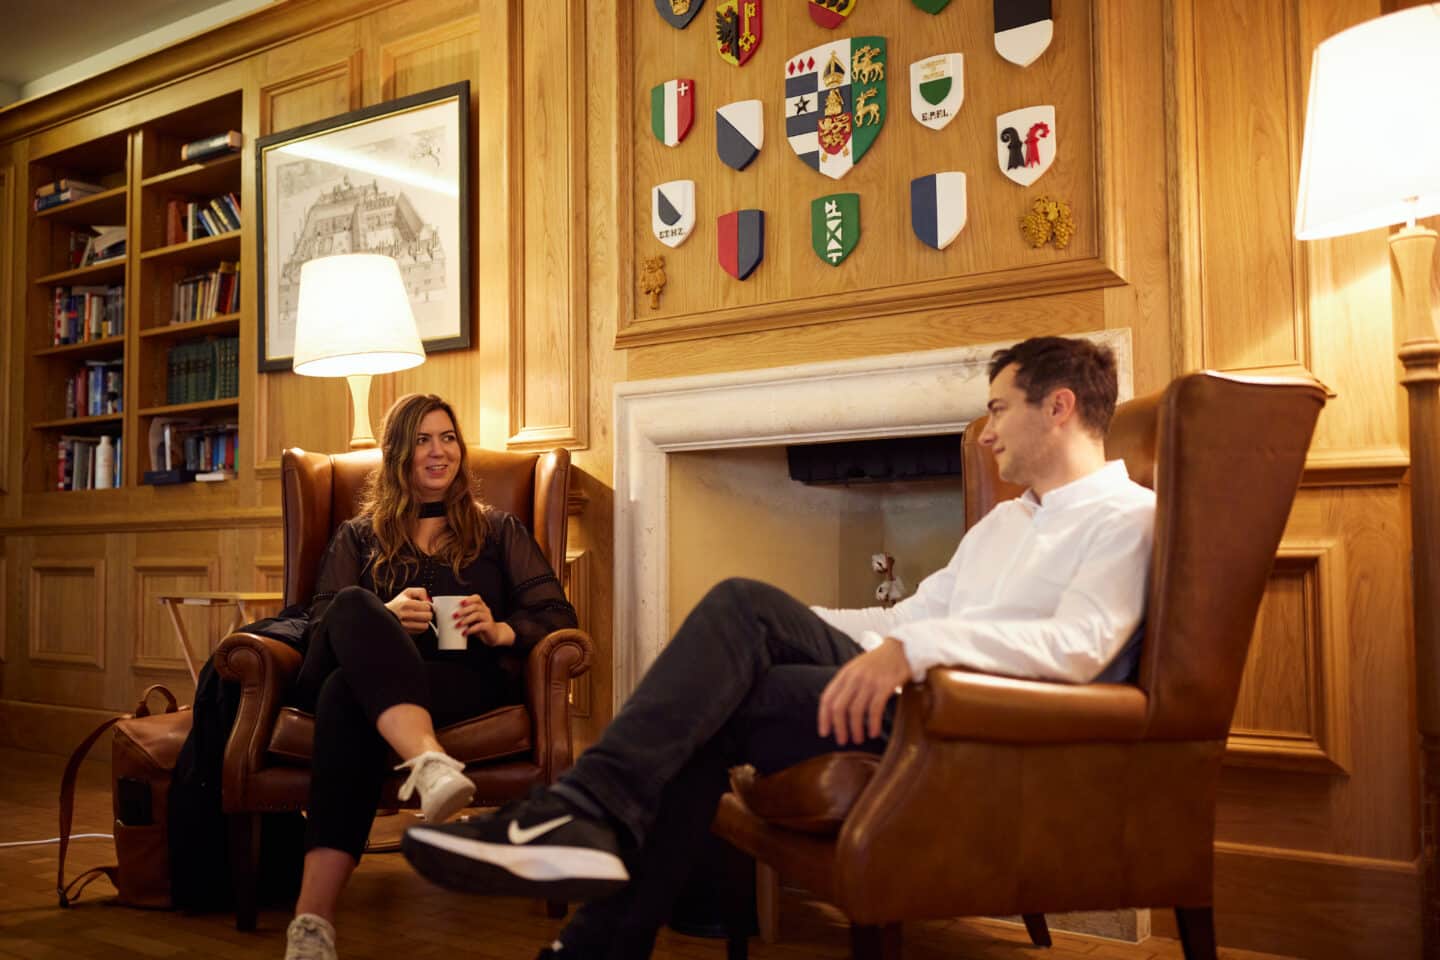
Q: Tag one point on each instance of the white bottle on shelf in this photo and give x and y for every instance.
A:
(105, 464)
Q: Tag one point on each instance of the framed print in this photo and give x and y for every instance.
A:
(390, 179)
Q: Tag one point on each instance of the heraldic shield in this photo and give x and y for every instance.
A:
(1025, 143)
(937, 89)
(830, 13)
(739, 132)
(930, 6)
(741, 236)
(835, 103)
(737, 30)
(835, 226)
(938, 208)
(672, 110)
(672, 211)
(678, 13)
(1023, 29)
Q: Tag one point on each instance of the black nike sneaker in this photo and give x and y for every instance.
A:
(540, 847)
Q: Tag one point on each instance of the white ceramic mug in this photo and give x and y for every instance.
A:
(446, 629)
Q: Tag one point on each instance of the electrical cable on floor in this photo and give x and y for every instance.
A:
(73, 836)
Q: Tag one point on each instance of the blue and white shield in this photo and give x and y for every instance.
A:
(938, 208)
(739, 132)
(672, 211)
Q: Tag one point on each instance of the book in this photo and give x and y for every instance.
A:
(160, 478)
(60, 198)
(211, 476)
(207, 147)
(107, 244)
(67, 183)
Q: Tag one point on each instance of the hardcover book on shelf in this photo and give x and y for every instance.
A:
(107, 244)
(67, 183)
(62, 197)
(213, 146)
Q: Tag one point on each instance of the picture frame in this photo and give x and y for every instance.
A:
(391, 178)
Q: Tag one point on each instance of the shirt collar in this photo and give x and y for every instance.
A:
(1092, 486)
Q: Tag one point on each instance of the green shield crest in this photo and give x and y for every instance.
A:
(835, 226)
(931, 6)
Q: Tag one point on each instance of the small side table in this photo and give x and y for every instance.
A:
(239, 601)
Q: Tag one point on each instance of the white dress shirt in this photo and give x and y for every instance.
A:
(1050, 590)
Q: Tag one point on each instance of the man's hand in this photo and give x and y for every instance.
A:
(411, 607)
(475, 620)
(853, 703)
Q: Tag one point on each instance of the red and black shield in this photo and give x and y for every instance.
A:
(741, 241)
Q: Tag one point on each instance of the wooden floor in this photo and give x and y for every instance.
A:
(390, 912)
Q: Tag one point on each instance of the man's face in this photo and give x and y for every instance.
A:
(1018, 432)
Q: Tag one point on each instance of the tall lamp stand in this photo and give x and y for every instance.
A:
(1412, 249)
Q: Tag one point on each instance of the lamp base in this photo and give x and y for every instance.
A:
(361, 435)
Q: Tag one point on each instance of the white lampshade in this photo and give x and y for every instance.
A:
(1372, 126)
(354, 318)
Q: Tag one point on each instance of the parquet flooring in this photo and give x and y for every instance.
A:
(389, 912)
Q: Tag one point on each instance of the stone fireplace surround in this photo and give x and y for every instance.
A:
(894, 395)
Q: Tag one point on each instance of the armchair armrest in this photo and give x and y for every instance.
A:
(264, 668)
(548, 669)
(979, 707)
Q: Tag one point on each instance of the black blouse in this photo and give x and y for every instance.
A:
(511, 575)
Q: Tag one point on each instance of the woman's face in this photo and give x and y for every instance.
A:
(437, 456)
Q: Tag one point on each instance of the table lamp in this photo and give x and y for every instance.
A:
(1372, 159)
(354, 321)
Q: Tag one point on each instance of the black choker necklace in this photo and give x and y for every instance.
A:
(435, 508)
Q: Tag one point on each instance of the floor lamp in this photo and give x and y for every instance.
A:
(1372, 159)
(354, 321)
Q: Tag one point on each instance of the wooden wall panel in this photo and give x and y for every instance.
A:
(9, 230)
(1246, 77)
(1294, 706)
(294, 411)
(890, 270)
(156, 646)
(66, 603)
(4, 607)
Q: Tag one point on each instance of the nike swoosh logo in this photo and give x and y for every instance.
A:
(520, 837)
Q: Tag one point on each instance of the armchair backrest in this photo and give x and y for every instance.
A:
(1224, 455)
(321, 491)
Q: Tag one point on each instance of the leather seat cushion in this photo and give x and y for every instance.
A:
(813, 796)
(490, 736)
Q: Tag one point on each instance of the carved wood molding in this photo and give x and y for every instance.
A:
(1323, 663)
(151, 615)
(576, 582)
(138, 521)
(9, 325)
(269, 26)
(570, 351)
(39, 571)
(1374, 467)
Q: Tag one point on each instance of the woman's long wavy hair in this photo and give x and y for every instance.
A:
(393, 507)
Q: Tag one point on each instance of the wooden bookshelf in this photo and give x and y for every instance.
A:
(140, 171)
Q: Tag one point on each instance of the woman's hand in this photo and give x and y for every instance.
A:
(412, 608)
(475, 620)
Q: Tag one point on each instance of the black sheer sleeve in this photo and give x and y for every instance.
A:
(344, 562)
(537, 604)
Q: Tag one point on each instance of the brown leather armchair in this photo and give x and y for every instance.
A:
(1001, 796)
(506, 751)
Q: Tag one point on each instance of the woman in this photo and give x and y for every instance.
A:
(373, 674)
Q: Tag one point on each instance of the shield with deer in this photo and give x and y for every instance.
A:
(835, 103)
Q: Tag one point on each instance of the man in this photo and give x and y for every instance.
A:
(1050, 586)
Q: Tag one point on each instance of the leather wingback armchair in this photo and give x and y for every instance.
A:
(506, 751)
(1001, 796)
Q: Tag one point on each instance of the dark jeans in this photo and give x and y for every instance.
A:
(739, 683)
(359, 663)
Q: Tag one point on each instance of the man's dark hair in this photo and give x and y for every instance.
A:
(1043, 364)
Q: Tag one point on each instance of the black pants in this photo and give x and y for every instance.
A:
(359, 663)
(739, 683)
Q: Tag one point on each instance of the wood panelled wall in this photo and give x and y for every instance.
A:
(1199, 107)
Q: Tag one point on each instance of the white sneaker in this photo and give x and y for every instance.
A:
(310, 938)
(444, 789)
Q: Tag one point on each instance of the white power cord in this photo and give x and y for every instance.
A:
(73, 836)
